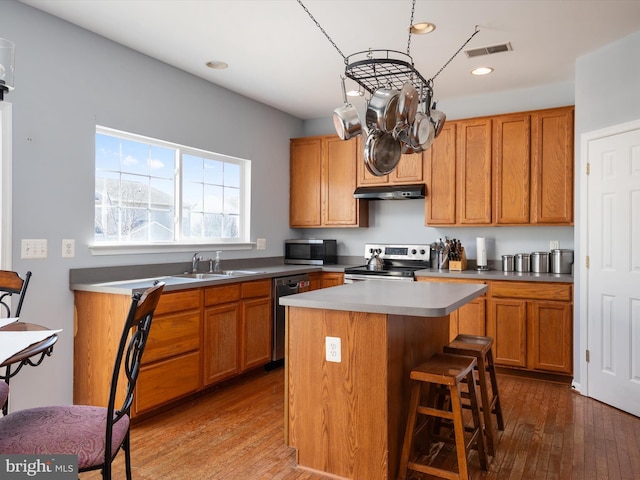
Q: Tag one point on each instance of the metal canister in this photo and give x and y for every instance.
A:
(523, 262)
(561, 260)
(507, 263)
(540, 262)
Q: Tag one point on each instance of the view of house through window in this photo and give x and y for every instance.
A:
(149, 191)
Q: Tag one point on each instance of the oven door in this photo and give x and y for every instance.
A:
(354, 277)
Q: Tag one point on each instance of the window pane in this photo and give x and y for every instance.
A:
(138, 200)
(191, 168)
(231, 175)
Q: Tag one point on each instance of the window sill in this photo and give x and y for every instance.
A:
(164, 248)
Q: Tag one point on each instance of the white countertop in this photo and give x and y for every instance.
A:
(421, 299)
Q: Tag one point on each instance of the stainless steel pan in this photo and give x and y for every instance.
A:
(345, 119)
(382, 153)
(382, 108)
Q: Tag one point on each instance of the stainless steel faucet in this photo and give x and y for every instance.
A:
(194, 262)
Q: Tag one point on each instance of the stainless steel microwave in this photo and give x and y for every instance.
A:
(310, 252)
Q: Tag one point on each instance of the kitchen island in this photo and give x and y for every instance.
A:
(350, 350)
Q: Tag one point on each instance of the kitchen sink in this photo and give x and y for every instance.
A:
(223, 274)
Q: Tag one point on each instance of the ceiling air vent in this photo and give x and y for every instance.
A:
(477, 52)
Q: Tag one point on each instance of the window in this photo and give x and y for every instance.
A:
(149, 192)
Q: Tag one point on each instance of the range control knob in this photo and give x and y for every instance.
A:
(414, 251)
(422, 252)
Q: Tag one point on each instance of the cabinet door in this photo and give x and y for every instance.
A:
(220, 349)
(305, 181)
(440, 177)
(511, 168)
(552, 167)
(330, 279)
(550, 337)
(473, 157)
(409, 170)
(471, 317)
(508, 326)
(256, 333)
(339, 182)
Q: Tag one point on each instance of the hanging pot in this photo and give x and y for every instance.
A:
(408, 101)
(345, 119)
(382, 153)
(437, 118)
(381, 112)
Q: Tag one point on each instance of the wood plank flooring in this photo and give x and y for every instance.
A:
(236, 433)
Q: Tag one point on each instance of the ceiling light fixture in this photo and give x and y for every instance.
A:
(7, 57)
(217, 65)
(481, 71)
(422, 28)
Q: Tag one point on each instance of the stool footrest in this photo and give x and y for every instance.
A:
(434, 412)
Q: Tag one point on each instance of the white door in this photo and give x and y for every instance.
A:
(613, 276)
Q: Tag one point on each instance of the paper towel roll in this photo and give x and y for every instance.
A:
(481, 246)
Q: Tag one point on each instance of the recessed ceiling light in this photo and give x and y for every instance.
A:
(422, 28)
(481, 71)
(218, 65)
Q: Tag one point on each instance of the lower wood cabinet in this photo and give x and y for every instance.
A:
(319, 280)
(470, 318)
(531, 323)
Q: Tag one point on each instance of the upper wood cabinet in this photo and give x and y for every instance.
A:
(552, 166)
(323, 176)
(514, 169)
(473, 172)
(410, 170)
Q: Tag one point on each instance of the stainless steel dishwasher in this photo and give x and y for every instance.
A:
(283, 286)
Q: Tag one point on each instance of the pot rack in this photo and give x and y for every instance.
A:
(374, 69)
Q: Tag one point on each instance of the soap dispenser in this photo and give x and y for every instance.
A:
(217, 268)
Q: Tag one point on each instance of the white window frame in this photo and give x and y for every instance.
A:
(179, 244)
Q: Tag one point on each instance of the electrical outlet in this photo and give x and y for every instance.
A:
(333, 348)
(261, 244)
(554, 244)
(33, 248)
(68, 248)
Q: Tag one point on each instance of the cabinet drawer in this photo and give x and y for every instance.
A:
(222, 294)
(172, 335)
(176, 301)
(163, 382)
(533, 290)
(257, 288)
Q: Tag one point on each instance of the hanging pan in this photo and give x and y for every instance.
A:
(345, 119)
(381, 112)
(381, 153)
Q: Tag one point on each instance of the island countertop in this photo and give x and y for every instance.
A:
(421, 299)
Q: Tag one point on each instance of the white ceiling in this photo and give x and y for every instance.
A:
(278, 56)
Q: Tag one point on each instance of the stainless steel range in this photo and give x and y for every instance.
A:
(390, 262)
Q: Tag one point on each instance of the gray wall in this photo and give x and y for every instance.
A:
(68, 80)
(607, 83)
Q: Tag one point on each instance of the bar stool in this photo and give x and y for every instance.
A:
(449, 372)
(480, 348)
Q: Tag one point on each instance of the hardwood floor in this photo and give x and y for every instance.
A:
(236, 433)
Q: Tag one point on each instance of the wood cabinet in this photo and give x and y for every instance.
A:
(469, 319)
(531, 323)
(171, 363)
(514, 169)
(199, 337)
(319, 280)
(221, 333)
(323, 176)
(410, 170)
(237, 329)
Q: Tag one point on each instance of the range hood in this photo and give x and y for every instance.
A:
(390, 192)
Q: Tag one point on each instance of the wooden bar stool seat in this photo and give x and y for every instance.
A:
(448, 372)
(480, 348)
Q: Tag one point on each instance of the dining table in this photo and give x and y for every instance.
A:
(23, 343)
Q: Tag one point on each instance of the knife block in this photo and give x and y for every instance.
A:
(459, 265)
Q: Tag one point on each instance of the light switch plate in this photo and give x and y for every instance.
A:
(33, 248)
(261, 244)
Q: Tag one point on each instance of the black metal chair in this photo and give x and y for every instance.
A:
(11, 284)
(94, 434)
